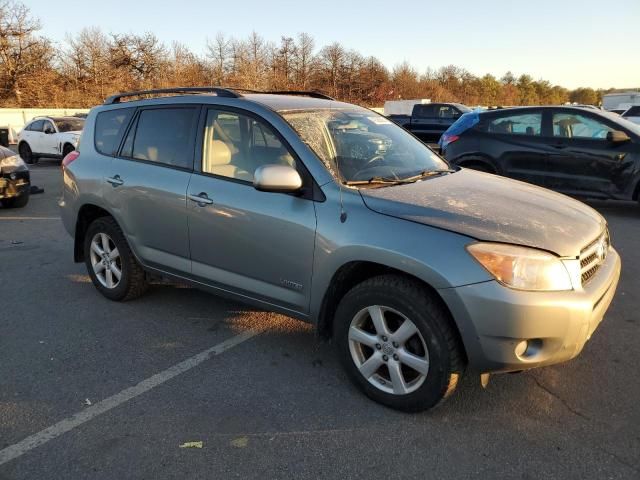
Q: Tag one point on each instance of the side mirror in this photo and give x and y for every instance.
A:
(277, 178)
(617, 136)
(49, 131)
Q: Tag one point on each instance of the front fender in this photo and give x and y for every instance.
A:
(435, 256)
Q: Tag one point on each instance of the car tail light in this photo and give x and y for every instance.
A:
(71, 156)
(450, 138)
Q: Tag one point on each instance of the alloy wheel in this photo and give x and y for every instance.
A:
(105, 260)
(388, 350)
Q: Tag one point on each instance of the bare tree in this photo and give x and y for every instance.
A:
(22, 52)
(304, 60)
(218, 52)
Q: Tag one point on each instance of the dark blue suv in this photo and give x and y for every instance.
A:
(577, 151)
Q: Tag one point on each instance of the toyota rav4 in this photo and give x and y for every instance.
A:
(418, 271)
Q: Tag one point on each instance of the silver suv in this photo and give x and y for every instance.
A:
(332, 214)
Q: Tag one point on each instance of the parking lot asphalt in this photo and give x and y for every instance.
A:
(100, 379)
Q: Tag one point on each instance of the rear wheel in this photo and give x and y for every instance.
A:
(111, 265)
(26, 154)
(397, 344)
(16, 202)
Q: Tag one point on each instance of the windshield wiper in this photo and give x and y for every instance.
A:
(398, 181)
(375, 181)
(425, 174)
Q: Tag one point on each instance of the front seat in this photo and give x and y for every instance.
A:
(217, 161)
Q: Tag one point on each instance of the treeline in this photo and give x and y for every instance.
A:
(91, 64)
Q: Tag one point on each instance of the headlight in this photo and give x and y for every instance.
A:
(522, 268)
(14, 161)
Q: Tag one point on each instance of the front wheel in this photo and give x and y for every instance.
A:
(397, 343)
(113, 268)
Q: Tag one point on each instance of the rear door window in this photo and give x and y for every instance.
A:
(521, 124)
(110, 127)
(575, 125)
(164, 136)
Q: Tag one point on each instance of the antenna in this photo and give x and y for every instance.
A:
(343, 214)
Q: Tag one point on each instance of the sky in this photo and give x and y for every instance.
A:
(573, 43)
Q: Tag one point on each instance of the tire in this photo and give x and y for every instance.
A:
(24, 150)
(16, 202)
(66, 150)
(434, 340)
(132, 282)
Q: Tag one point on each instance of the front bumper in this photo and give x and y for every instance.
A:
(494, 320)
(14, 184)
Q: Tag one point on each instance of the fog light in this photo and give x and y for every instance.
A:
(13, 176)
(521, 348)
(528, 349)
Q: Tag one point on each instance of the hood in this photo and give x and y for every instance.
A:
(492, 208)
(76, 133)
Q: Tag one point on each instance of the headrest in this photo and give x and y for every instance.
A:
(220, 153)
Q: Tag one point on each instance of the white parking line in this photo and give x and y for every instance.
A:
(54, 431)
(29, 218)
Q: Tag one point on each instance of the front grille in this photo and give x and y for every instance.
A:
(593, 256)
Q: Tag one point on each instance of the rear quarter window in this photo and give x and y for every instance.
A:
(110, 127)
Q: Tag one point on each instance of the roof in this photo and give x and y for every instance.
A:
(276, 100)
(290, 102)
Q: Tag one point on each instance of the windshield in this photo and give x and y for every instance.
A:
(69, 124)
(358, 145)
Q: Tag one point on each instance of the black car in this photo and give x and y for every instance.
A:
(577, 151)
(428, 121)
(15, 183)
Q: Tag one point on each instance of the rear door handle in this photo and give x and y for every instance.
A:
(115, 181)
(201, 199)
(559, 146)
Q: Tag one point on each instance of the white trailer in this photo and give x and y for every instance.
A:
(402, 107)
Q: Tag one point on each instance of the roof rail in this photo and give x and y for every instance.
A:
(300, 93)
(221, 92)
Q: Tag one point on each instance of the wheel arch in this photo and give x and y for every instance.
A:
(354, 272)
(86, 215)
(65, 144)
(468, 160)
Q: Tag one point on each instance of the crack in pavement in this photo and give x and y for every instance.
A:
(619, 459)
(559, 398)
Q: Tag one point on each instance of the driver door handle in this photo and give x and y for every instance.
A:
(115, 181)
(201, 199)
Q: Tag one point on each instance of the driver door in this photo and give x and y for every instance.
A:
(257, 245)
(582, 160)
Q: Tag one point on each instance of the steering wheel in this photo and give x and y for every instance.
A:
(368, 165)
(370, 172)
